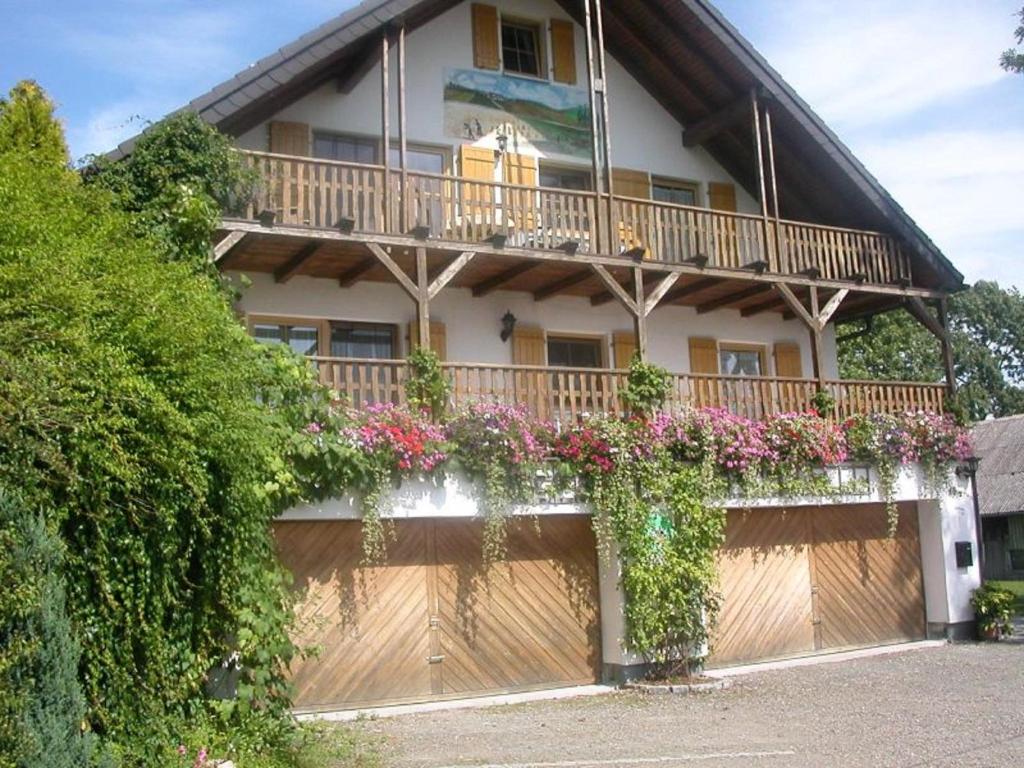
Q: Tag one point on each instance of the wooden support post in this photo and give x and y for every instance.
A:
(780, 251)
(606, 135)
(640, 315)
(947, 348)
(403, 192)
(595, 157)
(423, 302)
(755, 107)
(385, 124)
(817, 348)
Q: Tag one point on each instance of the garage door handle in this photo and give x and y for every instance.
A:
(435, 659)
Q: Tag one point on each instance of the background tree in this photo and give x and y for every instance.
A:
(987, 328)
(1012, 60)
(27, 125)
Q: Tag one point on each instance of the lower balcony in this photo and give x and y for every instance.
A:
(565, 394)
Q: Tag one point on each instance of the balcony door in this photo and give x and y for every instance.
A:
(576, 391)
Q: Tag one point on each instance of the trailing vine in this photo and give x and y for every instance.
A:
(646, 387)
(427, 388)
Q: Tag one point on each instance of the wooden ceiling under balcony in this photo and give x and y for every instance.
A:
(349, 263)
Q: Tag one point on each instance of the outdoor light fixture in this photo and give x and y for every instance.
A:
(502, 143)
(968, 467)
(508, 324)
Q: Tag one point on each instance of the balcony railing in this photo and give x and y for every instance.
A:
(321, 193)
(565, 394)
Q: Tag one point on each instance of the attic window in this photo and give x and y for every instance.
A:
(520, 47)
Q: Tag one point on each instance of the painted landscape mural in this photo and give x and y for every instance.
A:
(553, 119)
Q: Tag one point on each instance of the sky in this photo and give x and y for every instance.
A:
(912, 87)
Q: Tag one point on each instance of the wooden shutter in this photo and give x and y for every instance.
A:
(722, 197)
(563, 51)
(438, 337)
(787, 360)
(485, 36)
(623, 347)
(703, 355)
(528, 345)
(521, 169)
(289, 138)
(476, 163)
(630, 183)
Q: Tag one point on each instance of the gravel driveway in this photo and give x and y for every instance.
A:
(959, 705)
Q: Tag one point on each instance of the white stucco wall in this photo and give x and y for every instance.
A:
(472, 323)
(643, 135)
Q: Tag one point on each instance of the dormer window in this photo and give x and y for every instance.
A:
(520, 48)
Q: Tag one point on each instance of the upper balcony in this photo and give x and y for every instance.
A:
(328, 195)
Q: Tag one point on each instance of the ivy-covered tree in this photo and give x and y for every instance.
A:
(176, 182)
(27, 125)
(987, 328)
(1012, 59)
(136, 410)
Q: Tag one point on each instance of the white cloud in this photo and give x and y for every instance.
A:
(111, 124)
(869, 62)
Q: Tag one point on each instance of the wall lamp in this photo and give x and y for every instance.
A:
(502, 143)
(508, 324)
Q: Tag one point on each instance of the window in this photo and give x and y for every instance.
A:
(420, 159)
(671, 191)
(564, 178)
(349, 149)
(574, 352)
(520, 48)
(366, 340)
(737, 360)
(302, 338)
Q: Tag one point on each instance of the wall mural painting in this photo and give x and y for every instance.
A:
(551, 119)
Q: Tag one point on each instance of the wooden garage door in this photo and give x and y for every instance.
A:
(431, 622)
(816, 579)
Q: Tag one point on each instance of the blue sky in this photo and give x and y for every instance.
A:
(913, 87)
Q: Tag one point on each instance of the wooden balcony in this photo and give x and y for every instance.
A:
(323, 194)
(565, 394)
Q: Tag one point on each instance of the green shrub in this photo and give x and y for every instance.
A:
(42, 708)
(646, 387)
(993, 605)
(427, 388)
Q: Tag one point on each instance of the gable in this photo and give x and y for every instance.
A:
(683, 52)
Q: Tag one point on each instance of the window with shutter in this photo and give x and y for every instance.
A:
(289, 138)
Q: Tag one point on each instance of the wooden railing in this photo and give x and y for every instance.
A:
(566, 394)
(320, 193)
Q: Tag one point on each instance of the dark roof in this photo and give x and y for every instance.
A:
(999, 443)
(684, 52)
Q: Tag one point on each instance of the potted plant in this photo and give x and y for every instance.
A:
(993, 607)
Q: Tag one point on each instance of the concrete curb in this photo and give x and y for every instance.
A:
(678, 689)
(823, 658)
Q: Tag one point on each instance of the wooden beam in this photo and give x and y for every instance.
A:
(352, 275)
(704, 130)
(560, 285)
(227, 245)
(660, 290)
(817, 346)
(688, 290)
(831, 306)
(423, 298)
(640, 318)
(732, 298)
(765, 306)
(795, 305)
(617, 290)
(920, 312)
(493, 283)
(947, 348)
(394, 269)
(450, 272)
(290, 268)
